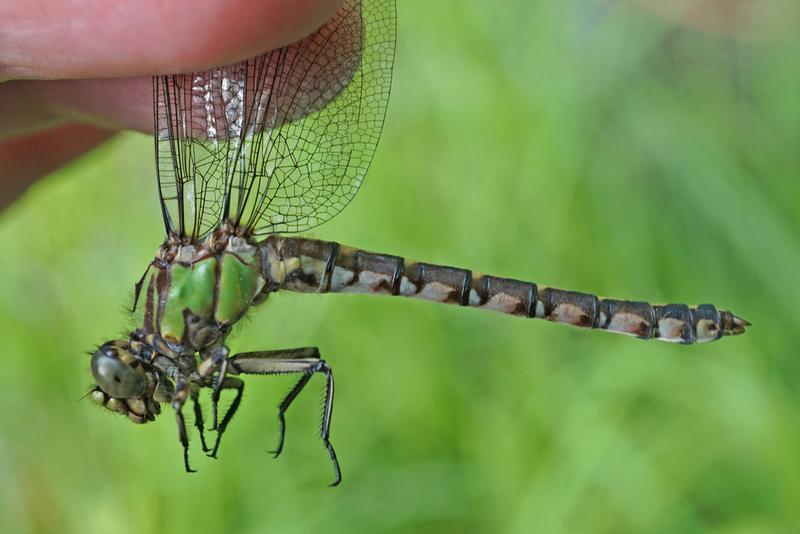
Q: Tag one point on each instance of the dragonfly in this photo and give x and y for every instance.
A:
(251, 154)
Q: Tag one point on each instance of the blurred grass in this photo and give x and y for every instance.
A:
(586, 145)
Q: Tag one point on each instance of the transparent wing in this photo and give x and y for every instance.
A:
(281, 142)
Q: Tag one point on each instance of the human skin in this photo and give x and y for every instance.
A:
(73, 72)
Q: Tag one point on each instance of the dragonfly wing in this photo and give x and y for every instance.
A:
(281, 142)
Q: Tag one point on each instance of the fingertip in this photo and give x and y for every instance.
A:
(115, 38)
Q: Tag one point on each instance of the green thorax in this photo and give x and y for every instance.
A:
(193, 292)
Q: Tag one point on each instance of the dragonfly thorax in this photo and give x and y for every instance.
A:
(193, 292)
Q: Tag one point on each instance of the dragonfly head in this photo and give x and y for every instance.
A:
(125, 384)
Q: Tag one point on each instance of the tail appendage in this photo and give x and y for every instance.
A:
(312, 266)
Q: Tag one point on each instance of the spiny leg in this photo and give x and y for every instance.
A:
(137, 289)
(305, 353)
(305, 360)
(218, 381)
(238, 385)
(198, 420)
(181, 392)
(285, 403)
(325, 430)
(219, 357)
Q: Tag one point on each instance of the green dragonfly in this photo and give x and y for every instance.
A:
(277, 145)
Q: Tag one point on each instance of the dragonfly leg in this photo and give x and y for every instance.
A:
(218, 358)
(137, 289)
(229, 383)
(181, 392)
(218, 381)
(306, 361)
(198, 420)
(285, 403)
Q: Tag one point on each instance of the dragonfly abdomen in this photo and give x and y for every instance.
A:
(312, 266)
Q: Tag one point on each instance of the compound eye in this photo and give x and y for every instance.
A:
(115, 377)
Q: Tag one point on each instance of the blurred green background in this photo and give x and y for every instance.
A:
(588, 145)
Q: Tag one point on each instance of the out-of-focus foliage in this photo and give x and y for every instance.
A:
(587, 145)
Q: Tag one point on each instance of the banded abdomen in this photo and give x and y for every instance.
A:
(312, 266)
(193, 292)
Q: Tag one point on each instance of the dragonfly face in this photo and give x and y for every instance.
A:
(125, 384)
